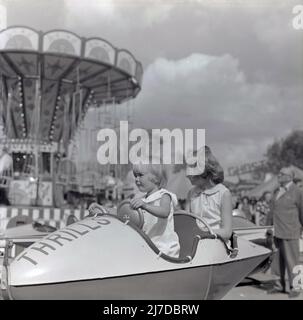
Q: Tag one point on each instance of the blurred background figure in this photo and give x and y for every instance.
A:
(73, 199)
(253, 207)
(235, 201)
(262, 209)
(245, 207)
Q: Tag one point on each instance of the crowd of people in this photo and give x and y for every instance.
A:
(256, 209)
(253, 209)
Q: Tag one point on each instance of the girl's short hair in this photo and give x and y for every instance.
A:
(157, 170)
(213, 169)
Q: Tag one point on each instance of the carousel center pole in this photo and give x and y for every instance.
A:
(36, 140)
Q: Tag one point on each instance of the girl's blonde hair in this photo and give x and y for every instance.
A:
(157, 170)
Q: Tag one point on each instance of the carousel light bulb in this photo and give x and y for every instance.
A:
(133, 80)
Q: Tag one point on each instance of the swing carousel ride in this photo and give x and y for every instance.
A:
(48, 82)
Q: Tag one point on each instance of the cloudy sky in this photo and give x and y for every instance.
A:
(232, 67)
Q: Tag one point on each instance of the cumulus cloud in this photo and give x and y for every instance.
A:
(212, 92)
(105, 10)
(117, 13)
(158, 12)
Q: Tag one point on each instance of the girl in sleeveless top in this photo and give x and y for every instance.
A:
(209, 198)
(157, 207)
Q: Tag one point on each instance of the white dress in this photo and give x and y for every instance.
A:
(161, 230)
(208, 205)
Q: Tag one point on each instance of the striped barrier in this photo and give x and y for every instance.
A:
(54, 217)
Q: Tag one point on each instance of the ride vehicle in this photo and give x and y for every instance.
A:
(108, 256)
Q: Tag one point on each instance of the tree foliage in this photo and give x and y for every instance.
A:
(285, 152)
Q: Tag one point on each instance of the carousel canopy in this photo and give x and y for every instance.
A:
(49, 80)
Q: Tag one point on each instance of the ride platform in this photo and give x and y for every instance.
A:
(55, 217)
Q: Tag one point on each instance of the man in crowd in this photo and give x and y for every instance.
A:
(287, 217)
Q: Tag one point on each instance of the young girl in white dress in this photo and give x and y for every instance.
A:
(209, 198)
(157, 207)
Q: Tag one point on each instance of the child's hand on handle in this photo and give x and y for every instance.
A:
(137, 203)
